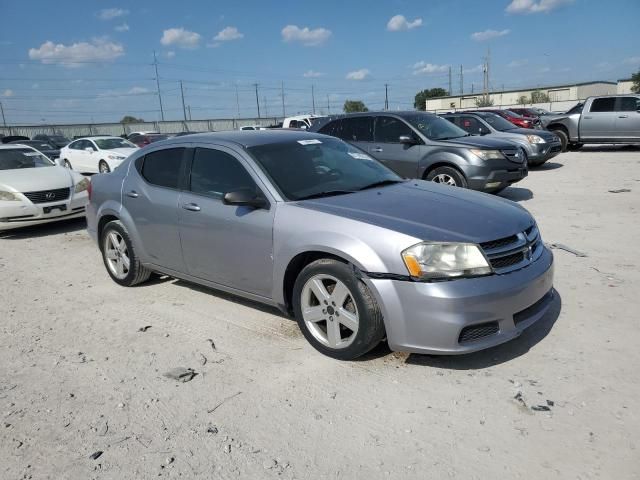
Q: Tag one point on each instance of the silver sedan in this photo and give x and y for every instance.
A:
(318, 228)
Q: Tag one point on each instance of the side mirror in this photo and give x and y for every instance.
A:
(244, 198)
(407, 140)
(88, 149)
(484, 131)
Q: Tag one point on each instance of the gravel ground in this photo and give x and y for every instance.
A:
(79, 377)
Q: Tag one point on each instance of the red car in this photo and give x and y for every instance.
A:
(519, 120)
(142, 140)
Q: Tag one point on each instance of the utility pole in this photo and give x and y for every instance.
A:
(471, 87)
(237, 101)
(282, 94)
(184, 110)
(449, 92)
(155, 64)
(461, 81)
(257, 99)
(328, 105)
(264, 102)
(386, 96)
(4, 120)
(313, 99)
(189, 110)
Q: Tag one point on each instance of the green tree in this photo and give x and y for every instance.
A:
(538, 96)
(422, 96)
(523, 100)
(352, 106)
(635, 86)
(484, 101)
(130, 119)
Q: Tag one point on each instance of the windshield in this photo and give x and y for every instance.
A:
(497, 122)
(111, 143)
(59, 139)
(434, 127)
(577, 108)
(319, 167)
(15, 158)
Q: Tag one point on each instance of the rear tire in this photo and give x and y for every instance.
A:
(447, 176)
(336, 311)
(564, 138)
(119, 256)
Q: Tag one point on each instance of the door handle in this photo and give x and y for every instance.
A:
(376, 149)
(623, 116)
(192, 207)
(132, 194)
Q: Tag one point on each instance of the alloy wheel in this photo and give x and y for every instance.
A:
(329, 311)
(117, 255)
(446, 179)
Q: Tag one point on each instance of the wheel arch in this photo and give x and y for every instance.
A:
(442, 163)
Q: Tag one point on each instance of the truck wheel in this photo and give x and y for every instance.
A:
(573, 147)
(564, 138)
(447, 176)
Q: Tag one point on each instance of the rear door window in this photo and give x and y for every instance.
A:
(162, 168)
(390, 129)
(606, 104)
(357, 129)
(628, 104)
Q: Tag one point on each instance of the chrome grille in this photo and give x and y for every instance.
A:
(515, 252)
(514, 155)
(46, 196)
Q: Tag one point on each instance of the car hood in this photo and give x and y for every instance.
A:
(35, 179)
(429, 211)
(125, 151)
(480, 142)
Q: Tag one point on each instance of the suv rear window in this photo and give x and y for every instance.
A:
(162, 168)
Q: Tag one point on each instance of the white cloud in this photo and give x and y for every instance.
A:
(517, 63)
(423, 67)
(180, 38)
(75, 54)
(535, 6)
(122, 28)
(137, 90)
(170, 54)
(7, 93)
(632, 61)
(476, 69)
(358, 74)
(398, 23)
(488, 35)
(111, 13)
(227, 34)
(312, 74)
(308, 37)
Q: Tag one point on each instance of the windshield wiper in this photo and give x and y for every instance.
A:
(326, 193)
(381, 183)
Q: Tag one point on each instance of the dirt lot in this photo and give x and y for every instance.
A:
(77, 376)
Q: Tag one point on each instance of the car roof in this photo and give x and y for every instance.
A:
(8, 146)
(245, 138)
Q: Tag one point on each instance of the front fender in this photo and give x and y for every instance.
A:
(441, 156)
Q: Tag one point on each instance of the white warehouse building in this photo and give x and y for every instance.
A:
(562, 97)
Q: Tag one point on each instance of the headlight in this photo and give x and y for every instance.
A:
(535, 139)
(488, 154)
(433, 261)
(116, 157)
(8, 197)
(82, 185)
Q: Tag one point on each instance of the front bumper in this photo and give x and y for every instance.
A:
(541, 152)
(431, 317)
(24, 213)
(492, 177)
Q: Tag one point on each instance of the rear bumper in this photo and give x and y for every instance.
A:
(450, 317)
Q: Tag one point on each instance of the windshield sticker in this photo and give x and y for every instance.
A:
(313, 141)
(360, 156)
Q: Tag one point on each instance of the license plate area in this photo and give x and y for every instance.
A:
(62, 207)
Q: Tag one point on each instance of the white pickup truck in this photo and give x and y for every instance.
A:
(606, 119)
(300, 121)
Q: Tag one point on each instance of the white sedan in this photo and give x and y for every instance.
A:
(35, 190)
(96, 154)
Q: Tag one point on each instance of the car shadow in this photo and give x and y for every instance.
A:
(547, 166)
(516, 194)
(499, 354)
(616, 147)
(45, 230)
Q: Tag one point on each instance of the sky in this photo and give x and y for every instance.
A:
(93, 61)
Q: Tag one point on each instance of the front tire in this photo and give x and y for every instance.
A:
(447, 176)
(103, 167)
(336, 311)
(564, 139)
(119, 257)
